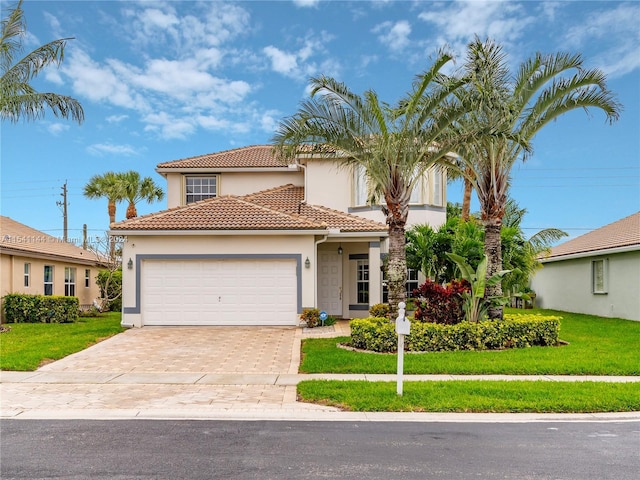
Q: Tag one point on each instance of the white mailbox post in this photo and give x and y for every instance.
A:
(403, 327)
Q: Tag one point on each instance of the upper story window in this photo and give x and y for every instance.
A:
(48, 279)
(437, 187)
(200, 188)
(361, 187)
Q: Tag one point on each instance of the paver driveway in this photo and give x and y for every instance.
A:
(225, 350)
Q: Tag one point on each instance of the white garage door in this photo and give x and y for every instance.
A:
(219, 292)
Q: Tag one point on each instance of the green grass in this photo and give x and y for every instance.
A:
(597, 346)
(474, 396)
(29, 345)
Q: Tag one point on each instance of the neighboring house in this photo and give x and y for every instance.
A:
(249, 240)
(36, 263)
(597, 273)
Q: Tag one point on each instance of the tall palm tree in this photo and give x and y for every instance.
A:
(394, 144)
(136, 189)
(109, 186)
(505, 112)
(18, 99)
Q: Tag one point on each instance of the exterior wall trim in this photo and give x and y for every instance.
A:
(591, 253)
(215, 256)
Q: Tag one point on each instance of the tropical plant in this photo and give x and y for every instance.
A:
(394, 145)
(18, 99)
(109, 186)
(504, 113)
(136, 189)
(476, 302)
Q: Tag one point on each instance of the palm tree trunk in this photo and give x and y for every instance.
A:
(397, 268)
(131, 211)
(493, 250)
(466, 200)
(112, 218)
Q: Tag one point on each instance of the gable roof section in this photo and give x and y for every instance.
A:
(624, 233)
(275, 209)
(222, 213)
(19, 239)
(289, 198)
(255, 156)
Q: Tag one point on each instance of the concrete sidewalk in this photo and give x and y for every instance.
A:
(229, 384)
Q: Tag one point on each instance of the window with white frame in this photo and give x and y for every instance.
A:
(362, 283)
(87, 278)
(27, 274)
(599, 276)
(48, 279)
(411, 284)
(200, 188)
(437, 187)
(361, 188)
(69, 282)
(416, 192)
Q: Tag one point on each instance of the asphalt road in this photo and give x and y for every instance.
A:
(150, 449)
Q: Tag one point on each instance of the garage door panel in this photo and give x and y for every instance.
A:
(219, 292)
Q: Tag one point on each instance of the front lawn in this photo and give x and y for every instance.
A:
(474, 396)
(29, 345)
(596, 346)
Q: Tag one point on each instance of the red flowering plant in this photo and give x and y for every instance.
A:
(440, 304)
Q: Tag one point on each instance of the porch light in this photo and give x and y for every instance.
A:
(340, 250)
(130, 264)
(307, 263)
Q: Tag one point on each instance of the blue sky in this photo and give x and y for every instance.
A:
(161, 81)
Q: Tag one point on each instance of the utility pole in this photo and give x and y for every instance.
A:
(63, 204)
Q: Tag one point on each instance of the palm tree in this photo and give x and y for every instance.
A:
(18, 99)
(109, 186)
(137, 189)
(393, 144)
(504, 114)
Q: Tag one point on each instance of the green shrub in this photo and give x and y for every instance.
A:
(516, 331)
(20, 308)
(110, 283)
(380, 310)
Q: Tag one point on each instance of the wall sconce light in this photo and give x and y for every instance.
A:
(307, 263)
(340, 250)
(130, 264)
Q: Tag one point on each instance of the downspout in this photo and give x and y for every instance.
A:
(315, 263)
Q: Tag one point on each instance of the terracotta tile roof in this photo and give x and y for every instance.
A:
(623, 233)
(17, 238)
(254, 156)
(222, 213)
(275, 209)
(288, 198)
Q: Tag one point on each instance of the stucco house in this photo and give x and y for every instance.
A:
(249, 240)
(597, 273)
(35, 263)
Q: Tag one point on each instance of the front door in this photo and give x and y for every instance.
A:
(330, 282)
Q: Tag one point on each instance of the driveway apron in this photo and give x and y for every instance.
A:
(183, 370)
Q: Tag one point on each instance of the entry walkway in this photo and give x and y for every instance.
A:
(248, 374)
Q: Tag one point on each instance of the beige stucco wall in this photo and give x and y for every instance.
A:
(567, 285)
(12, 277)
(219, 245)
(235, 183)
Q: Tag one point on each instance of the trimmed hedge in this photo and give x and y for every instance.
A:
(515, 331)
(20, 308)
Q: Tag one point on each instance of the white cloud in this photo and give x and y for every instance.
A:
(394, 35)
(57, 128)
(306, 3)
(100, 149)
(281, 62)
(116, 118)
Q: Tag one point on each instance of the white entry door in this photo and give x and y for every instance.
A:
(219, 292)
(330, 282)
